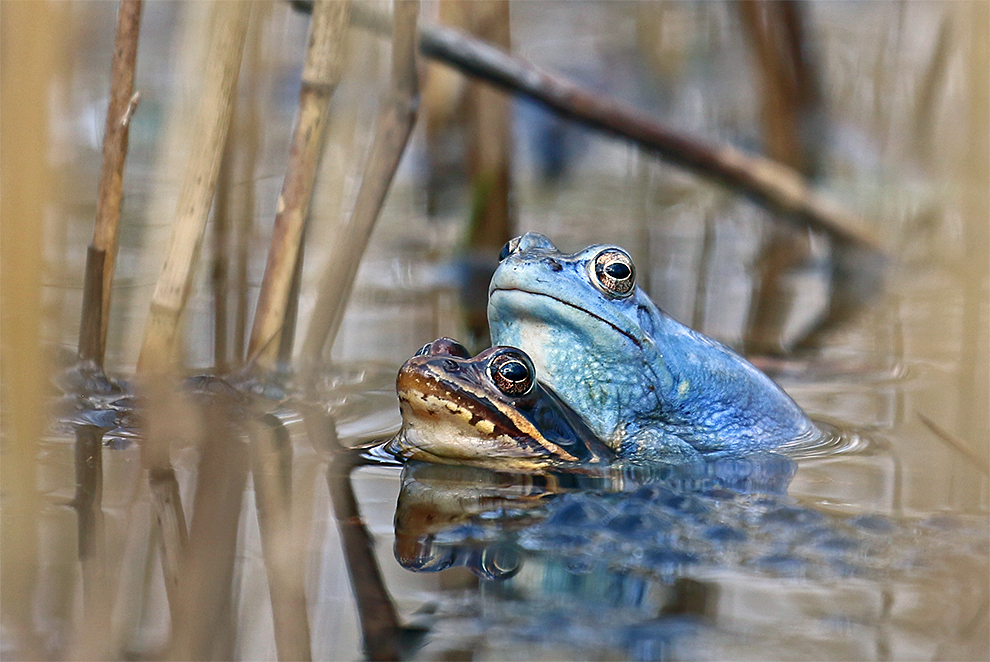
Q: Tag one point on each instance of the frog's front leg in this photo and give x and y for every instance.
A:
(656, 446)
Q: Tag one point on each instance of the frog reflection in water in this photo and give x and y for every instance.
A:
(487, 411)
(650, 387)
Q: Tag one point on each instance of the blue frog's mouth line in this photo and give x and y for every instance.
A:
(636, 341)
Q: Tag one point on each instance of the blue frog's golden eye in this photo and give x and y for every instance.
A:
(614, 273)
(508, 249)
(512, 372)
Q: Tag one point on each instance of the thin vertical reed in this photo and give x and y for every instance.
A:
(395, 123)
(789, 101)
(490, 131)
(321, 73)
(30, 38)
(249, 135)
(123, 100)
(230, 21)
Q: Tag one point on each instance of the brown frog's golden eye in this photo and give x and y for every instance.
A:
(614, 273)
(512, 372)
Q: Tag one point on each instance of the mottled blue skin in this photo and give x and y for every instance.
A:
(650, 387)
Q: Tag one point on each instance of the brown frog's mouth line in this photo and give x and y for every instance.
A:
(634, 340)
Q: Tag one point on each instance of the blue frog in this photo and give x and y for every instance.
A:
(651, 388)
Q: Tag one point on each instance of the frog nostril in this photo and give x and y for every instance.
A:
(553, 264)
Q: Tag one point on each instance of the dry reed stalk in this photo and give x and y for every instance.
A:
(219, 278)
(204, 594)
(92, 307)
(30, 38)
(321, 73)
(93, 638)
(122, 103)
(248, 132)
(288, 332)
(394, 124)
(230, 21)
(767, 182)
(271, 468)
(155, 363)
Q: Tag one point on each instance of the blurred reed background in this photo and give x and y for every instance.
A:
(882, 106)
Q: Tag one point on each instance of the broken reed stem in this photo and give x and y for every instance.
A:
(321, 73)
(271, 468)
(93, 293)
(395, 123)
(98, 279)
(767, 182)
(123, 101)
(230, 21)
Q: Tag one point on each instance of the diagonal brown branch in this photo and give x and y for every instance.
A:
(769, 183)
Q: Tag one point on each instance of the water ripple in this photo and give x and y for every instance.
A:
(831, 441)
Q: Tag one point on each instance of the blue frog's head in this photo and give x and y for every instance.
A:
(636, 375)
(583, 320)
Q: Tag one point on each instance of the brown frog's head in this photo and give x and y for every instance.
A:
(488, 411)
